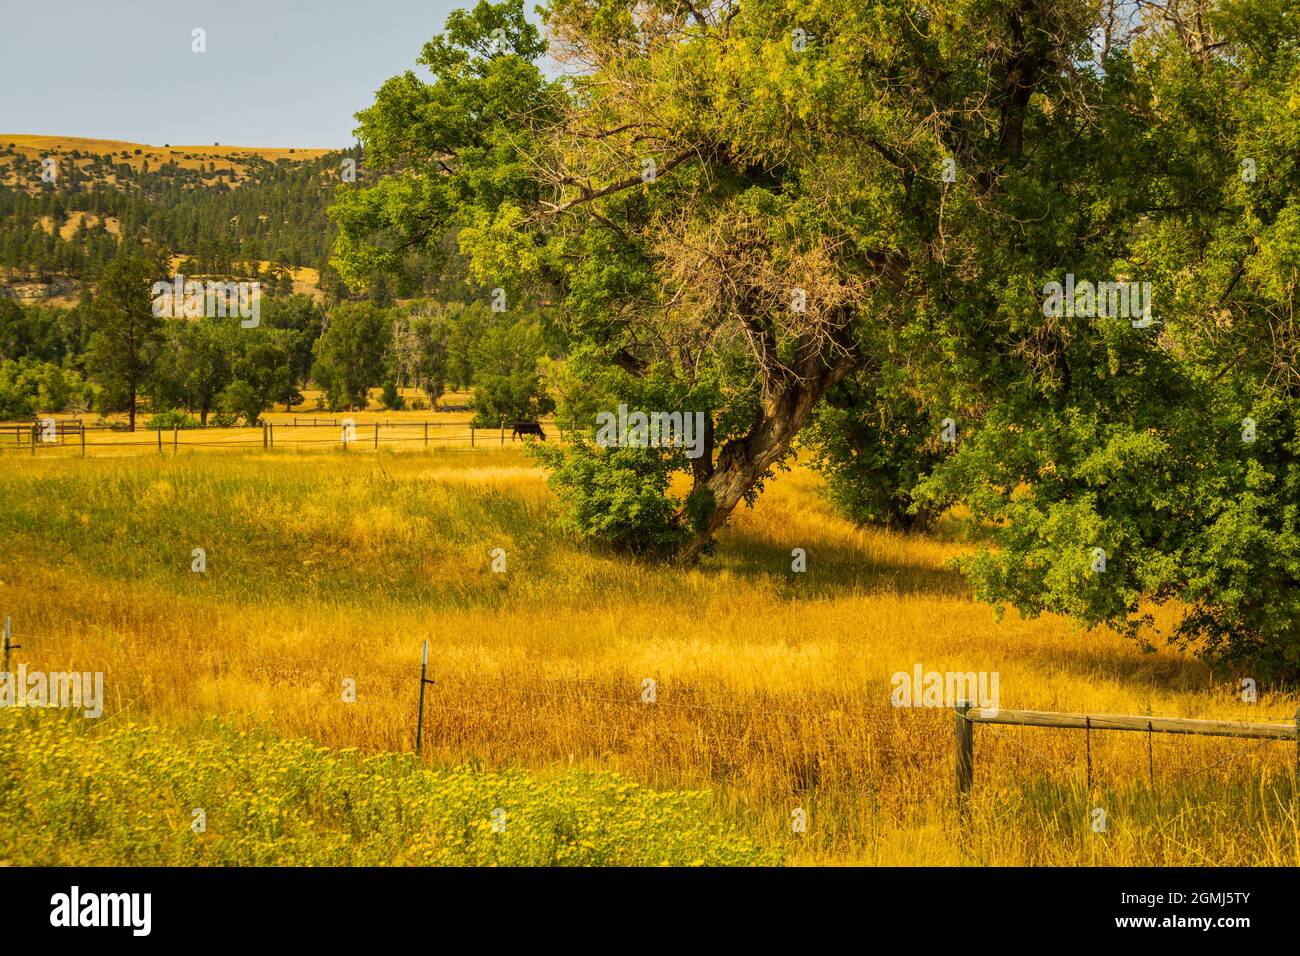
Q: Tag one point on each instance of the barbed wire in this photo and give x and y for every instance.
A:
(1255, 747)
(531, 688)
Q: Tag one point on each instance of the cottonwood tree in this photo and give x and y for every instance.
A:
(727, 210)
(1173, 447)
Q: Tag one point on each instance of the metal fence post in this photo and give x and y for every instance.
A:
(7, 645)
(419, 723)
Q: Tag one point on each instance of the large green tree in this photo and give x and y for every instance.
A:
(751, 209)
(1122, 468)
(736, 207)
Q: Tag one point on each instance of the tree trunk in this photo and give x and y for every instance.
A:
(743, 461)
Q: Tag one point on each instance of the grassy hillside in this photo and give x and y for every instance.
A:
(240, 159)
(772, 687)
(224, 210)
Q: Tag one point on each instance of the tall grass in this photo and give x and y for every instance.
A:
(772, 687)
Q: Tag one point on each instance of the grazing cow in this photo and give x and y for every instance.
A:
(523, 428)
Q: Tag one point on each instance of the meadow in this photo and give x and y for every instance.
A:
(328, 570)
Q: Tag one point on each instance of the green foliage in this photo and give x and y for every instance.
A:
(507, 375)
(28, 387)
(390, 397)
(350, 354)
(239, 400)
(420, 351)
(172, 419)
(125, 797)
(618, 496)
(223, 419)
(1183, 508)
(296, 322)
(261, 375)
(873, 451)
(1130, 440)
(277, 213)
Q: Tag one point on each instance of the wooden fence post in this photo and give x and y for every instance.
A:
(160, 451)
(471, 435)
(965, 748)
(175, 440)
(376, 436)
(426, 434)
(83, 439)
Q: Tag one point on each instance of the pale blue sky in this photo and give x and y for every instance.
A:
(276, 72)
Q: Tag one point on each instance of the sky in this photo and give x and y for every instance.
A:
(277, 73)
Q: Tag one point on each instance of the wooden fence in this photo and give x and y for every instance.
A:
(968, 716)
(318, 433)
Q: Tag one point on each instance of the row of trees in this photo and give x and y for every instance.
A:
(113, 354)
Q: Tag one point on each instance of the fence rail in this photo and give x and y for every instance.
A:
(30, 438)
(966, 717)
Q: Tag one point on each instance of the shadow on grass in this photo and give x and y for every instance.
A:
(833, 570)
(1161, 670)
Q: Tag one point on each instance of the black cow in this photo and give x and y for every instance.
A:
(523, 428)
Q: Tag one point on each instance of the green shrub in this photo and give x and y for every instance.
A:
(171, 419)
(222, 420)
(617, 495)
(391, 397)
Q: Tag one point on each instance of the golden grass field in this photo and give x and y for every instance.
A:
(772, 687)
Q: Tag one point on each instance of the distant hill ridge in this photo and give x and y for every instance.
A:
(224, 206)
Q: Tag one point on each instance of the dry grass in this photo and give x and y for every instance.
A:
(188, 157)
(773, 687)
